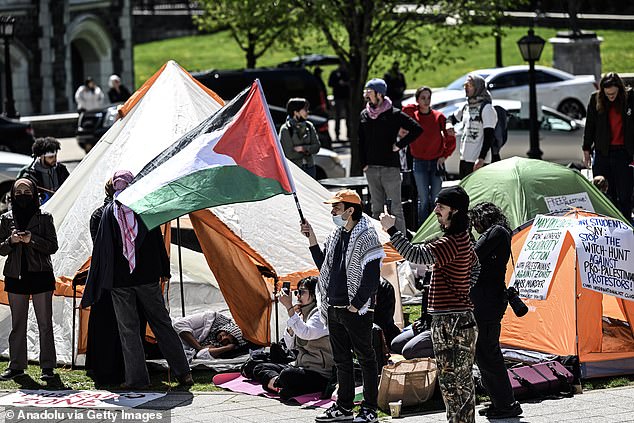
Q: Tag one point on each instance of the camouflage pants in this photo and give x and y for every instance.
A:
(454, 337)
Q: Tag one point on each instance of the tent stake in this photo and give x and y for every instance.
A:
(180, 264)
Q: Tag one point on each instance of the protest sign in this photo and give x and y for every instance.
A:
(77, 399)
(579, 200)
(604, 247)
(536, 263)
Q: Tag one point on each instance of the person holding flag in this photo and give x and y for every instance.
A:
(348, 281)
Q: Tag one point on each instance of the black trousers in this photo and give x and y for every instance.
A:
(291, 380)
(352, 332)
(491, 364)
(615, 167)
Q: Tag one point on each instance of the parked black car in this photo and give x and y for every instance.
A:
(279, 84)
(92, 124)
(16, 136)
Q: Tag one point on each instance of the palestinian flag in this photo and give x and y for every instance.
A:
(234, 156)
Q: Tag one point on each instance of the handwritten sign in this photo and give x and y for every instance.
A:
(604, 256)
(565, 202)
(536, 263)
(77, 399)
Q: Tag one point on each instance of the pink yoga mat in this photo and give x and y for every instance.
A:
(235, 382)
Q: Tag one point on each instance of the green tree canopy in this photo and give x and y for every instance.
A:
(254, 24)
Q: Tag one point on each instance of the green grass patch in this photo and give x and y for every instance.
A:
(607, 382)
(220, 51)
(77, 379)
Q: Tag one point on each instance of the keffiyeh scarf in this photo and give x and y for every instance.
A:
(363, 247)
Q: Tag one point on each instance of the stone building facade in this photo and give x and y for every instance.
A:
(58, 43)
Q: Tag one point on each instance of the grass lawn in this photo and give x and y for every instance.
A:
(220, 51)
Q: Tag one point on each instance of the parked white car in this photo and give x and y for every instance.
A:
(560, 137)
(556, 89)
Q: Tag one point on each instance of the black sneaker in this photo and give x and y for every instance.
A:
(512, 410)
(366, 415)
(484, 411)
(47, 374)
(335, 414)
(9, 374)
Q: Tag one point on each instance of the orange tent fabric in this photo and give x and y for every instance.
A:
(570, 321)
(239, 271)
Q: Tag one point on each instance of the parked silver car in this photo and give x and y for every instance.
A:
(560, 137)
(557, 89)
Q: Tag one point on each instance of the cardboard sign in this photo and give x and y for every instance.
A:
(565, 202)
(536, 263)
(604, 255)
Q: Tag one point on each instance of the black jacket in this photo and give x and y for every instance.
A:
(489, 293)
(30, 172)
(597, 132)
(377, 136)
(109, 268)
(43, 244)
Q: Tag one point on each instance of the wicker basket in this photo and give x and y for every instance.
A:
(411, 381)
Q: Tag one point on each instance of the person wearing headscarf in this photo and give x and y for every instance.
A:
(129, 261)
(478, 119)
(28, 240)
(210, 335)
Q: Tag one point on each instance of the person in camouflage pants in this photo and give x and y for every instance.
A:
(455, 269)
(454, 337)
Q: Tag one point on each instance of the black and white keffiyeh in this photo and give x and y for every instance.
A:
(363, 247)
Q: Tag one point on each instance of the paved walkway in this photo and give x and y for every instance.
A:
(600, 406)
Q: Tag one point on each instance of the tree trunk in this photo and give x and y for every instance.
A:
(251, 57)
(358, 70)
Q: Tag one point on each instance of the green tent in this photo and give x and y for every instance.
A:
(521, 188)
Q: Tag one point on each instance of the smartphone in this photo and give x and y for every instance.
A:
(388, 205)
(286, 288)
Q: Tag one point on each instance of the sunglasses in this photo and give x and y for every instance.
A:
(300, 292)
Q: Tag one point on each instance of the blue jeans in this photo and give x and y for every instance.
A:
(428, 184)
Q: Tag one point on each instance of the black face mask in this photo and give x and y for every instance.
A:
(23, 201)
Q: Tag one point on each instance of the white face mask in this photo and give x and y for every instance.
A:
(338, 220)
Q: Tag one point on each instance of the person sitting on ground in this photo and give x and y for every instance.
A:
(306, 333)
(209, 335)
(45, 171)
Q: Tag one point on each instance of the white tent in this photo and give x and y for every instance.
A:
(165, 108)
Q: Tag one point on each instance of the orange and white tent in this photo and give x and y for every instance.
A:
(243, 244)
(573, 320)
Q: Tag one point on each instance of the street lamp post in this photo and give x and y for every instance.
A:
(531, 47)
(6, 32)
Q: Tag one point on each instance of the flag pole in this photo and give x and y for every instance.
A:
(180, 264)
(299, 207)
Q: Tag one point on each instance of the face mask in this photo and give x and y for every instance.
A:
(23, 200)
(339, 221)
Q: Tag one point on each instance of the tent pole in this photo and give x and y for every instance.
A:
(180, 264)
(277, 318)
(72, 349)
